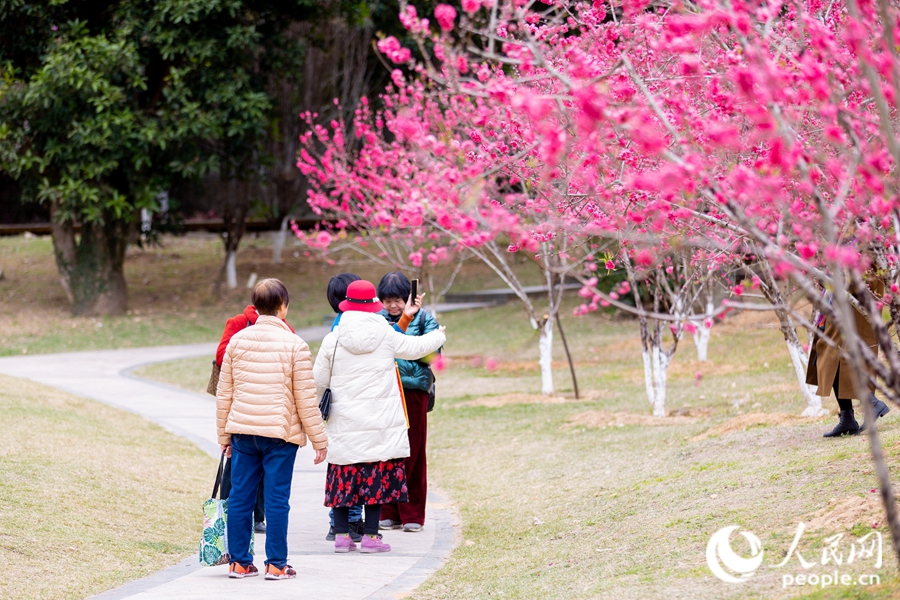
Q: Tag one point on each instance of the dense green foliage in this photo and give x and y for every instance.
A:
(103, 104)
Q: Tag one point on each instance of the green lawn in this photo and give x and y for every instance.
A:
(171, 295)
(91, 497)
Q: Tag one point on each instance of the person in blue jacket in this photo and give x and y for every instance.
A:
(416, 377)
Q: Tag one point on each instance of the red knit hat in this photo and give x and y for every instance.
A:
(361, 296)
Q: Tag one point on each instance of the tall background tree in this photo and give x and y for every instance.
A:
(106, 105)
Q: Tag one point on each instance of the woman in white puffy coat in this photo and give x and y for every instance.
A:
(367, 438)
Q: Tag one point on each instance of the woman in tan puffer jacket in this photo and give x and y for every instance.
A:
(266, 408)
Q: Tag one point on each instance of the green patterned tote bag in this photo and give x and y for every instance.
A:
(214, 543)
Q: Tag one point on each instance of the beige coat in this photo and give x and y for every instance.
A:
(825, 361)
(266, 387)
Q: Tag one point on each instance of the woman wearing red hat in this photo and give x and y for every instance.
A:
(367, 427)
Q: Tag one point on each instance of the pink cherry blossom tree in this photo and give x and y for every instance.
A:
(376, 213)
(415, 198)
(772, 123)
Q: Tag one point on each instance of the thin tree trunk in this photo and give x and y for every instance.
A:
(230, 271)
(656, 364)
(278, 243)
(545, 345)
(650, 347)
(800, 362)
(562, 336)
(799, 358)
(701, 341)
(660, 379)
(649, 384)
(702, 333)
(234, 218)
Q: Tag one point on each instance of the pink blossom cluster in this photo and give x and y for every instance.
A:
(740, 128)
(391, 48)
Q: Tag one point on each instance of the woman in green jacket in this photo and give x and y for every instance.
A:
(417, 379)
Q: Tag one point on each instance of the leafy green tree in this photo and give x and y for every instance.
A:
(104, 105)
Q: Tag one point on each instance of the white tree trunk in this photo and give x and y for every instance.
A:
(546, 358)
(800, 362)
(278, 243)
(656, 365)
(701, 341)
(648, 377)
(702, 334)
(230, 272)
(660, 372)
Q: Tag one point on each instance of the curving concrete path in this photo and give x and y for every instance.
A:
(321, 574)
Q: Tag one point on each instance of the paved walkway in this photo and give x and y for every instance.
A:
(321, 574)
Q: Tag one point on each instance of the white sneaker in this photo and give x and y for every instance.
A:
(389, 524)
(412, 527)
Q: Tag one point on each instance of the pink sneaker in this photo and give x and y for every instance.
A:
(343, 543)
(370, 545)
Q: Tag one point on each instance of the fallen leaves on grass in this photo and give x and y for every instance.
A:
(691, 411)
(745, 422)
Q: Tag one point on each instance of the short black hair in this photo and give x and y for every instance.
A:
(268, 296)
(337, 289)
(394, 285)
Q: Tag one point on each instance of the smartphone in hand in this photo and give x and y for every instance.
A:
(413, 290)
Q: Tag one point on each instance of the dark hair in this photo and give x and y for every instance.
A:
(394, 285)
(268, 296)
(337, 289)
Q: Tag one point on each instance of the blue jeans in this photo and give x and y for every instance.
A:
(254, 457)
(355, 514)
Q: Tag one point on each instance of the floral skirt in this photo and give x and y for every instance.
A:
(366, 483)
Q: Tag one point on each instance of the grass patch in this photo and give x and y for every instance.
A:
(90, 496)
(170, 290)
(190, 374)
(171, 297)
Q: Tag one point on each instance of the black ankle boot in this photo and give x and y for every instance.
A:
(846, 426)
(879, 409)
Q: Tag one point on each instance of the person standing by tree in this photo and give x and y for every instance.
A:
(266, 407)
(829, 370)
(393, 291)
